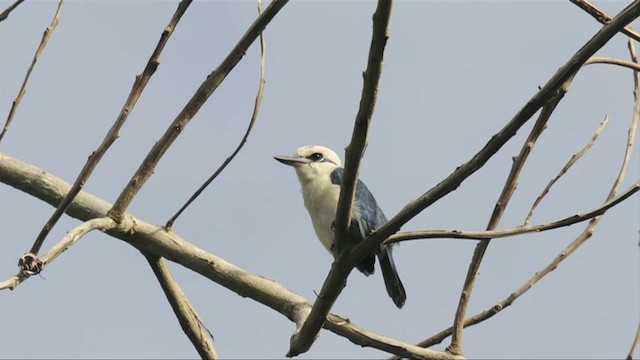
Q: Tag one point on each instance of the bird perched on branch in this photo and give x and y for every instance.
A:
(320, 173)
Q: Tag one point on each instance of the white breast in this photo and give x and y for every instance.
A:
(321, 200)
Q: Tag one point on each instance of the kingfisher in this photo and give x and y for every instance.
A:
(320, 173)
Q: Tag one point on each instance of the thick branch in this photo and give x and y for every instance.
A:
(153, 239)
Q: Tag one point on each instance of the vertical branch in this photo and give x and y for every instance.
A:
(188, 318)
(138, 86)
(336, 280)
(43, 43)
(210, 84)
(254, 116)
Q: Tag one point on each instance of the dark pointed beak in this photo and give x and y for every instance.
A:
(292, 161)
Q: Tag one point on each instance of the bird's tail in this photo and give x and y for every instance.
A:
(392, 282)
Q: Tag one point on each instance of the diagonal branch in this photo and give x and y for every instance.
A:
(509, 188)
(304, 337)
(188, 318)
(602, 17)
(548, 91)
(5, 14)
(198, 99)
(520, 230)
(31, 265)
(138, 86)
(584, 236)
(574, 158)
(43, 43)
(153, 239)
(254, 116)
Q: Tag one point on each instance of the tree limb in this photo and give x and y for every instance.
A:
(139, 85)
(254, 116)
(208, 86)
(336, 280)
(153, 239)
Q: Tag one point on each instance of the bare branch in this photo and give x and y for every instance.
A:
(548, 91)
(613, 61)
(138, 86)
(189, 320)
(509, 188)
(636, 120)
(603, 18)
(575, 244)
(43, 43)
(254, 116)
(520, 230)
(574, 158)
(198, 99)
(31, 265)
(303, 338)
(153, 239)
(5, 14)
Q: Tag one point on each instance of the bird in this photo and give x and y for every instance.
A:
(320, 173)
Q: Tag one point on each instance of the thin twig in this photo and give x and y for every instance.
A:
(210, 84)
(509, 188)
(636, 118)
(303, 337)
(520, 230)
(7, 11)
(613, 61)
(254, 116)
(152, 239)
(602, 17)
(138, 86)
(188, 318)
(574, 158)
(575, 244)
(43, 43)
(103, 224)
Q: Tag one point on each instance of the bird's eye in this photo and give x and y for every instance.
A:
(316, 157)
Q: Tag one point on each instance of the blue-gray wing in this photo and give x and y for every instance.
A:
(366, 212)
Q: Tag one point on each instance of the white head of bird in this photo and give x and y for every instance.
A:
(320, 173)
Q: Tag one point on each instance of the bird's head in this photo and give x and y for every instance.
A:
(312, 161)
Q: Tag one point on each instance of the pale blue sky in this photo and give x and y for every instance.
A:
(454, 74)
